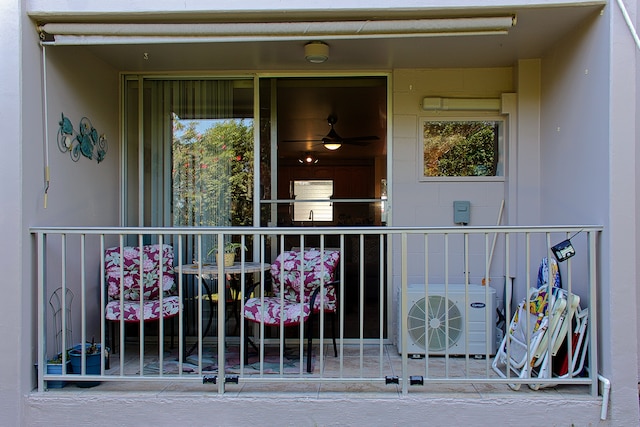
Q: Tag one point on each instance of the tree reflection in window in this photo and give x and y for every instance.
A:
(461, 148)
(212, 172)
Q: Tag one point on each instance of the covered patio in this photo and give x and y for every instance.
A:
(556, 83)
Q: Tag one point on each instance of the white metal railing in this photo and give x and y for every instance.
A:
(380, 269)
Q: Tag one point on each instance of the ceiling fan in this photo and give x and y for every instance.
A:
(333, 141)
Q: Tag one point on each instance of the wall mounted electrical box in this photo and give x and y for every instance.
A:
(462, 212)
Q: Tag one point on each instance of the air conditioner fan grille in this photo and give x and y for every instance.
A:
(440, 313)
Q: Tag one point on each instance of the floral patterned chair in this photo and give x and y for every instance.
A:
(133, 301)
(290, 275)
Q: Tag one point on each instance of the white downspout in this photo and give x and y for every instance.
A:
(627, 19)
(606, 386)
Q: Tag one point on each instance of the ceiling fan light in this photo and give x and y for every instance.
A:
(332, 145)
(316, 52)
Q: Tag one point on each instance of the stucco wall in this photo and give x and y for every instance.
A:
(619, 274)
(83, 192)
(574, 179)
(80, 86)
(637, 206)
(10, 217)
(417, 202)
(596, 183)
(430, 203)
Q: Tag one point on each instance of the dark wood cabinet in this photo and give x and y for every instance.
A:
(355, 182)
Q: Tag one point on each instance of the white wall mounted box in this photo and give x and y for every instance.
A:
(461, 104)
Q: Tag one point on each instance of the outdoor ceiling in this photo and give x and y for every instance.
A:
(305, 114)
(536, 30)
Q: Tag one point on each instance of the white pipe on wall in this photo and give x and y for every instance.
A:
(45, 124)
(461, 104)
(606, 386)
(629, 23)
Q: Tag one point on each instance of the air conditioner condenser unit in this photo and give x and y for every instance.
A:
(459, 319)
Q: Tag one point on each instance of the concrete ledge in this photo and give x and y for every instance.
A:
(200, 408)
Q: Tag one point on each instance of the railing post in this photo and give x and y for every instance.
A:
(381, 296)
(222, 299)
(181, 316)
(593, 319)
(141, 307)
(426, 292)
(403, 314)
(103, 303)
(42, 341)
(161, 302)
(343, 285)
(361, 299)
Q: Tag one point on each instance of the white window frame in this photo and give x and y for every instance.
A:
(502, 145)
(311, 205)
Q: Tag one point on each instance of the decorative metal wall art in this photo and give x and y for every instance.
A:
(84, 142)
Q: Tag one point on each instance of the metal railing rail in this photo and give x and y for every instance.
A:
(73, 257)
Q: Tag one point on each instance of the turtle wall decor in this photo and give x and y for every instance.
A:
(86, 141)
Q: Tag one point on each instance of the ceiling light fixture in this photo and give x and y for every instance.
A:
(316, 52)
(308, 159)
(331, 145)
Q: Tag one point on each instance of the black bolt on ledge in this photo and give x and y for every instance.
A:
(391, 380)
(231, 379)
(210, 379)
(416, 380)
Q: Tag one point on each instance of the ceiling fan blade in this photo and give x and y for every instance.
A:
(361, 138)
(334, 138)
(356, 142)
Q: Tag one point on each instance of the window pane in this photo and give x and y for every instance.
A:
(461, 148)
(315, 209)
(212, 172)
(188, 156)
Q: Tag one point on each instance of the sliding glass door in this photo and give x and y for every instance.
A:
(323, 152)
(188, 152)
(189, 160)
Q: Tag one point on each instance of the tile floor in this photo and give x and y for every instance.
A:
(359, 376)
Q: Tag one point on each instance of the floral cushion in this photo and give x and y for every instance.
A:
(131, 272)
(131, 309)
(272, 308)
(157, 268)
(317, 268)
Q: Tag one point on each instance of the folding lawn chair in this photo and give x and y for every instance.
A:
(526, 340)
(556, 364)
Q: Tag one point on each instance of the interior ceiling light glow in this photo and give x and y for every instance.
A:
(308, 159)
